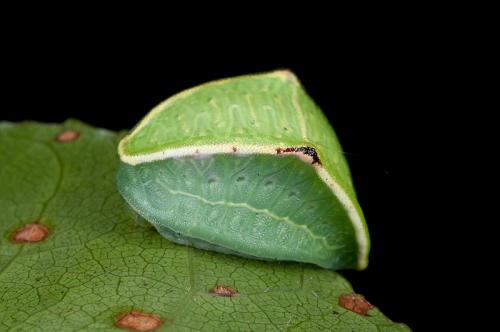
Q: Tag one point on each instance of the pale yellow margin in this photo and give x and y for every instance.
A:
(207, 150)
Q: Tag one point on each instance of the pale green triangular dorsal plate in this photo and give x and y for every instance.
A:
(246, 165)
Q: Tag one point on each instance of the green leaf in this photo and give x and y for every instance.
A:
(98, 263)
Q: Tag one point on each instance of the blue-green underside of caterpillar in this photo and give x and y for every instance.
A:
(272, 207)
(198, 243)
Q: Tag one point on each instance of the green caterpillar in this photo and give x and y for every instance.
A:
(248, 166)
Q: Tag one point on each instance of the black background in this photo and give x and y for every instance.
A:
(377, 90)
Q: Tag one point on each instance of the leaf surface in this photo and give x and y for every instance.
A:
(98, 262)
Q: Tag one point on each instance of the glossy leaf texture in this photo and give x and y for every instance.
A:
(94, 262)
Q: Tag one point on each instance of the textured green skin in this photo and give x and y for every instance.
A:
(265, 110)
(241, 203)
(247, 110)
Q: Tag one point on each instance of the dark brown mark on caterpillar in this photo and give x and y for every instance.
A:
(307, 150)
(234, 149)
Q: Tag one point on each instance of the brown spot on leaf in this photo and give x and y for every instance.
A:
(221, 290)
(67, 136)
(30, 233)
(356, 303)
(138, 321)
